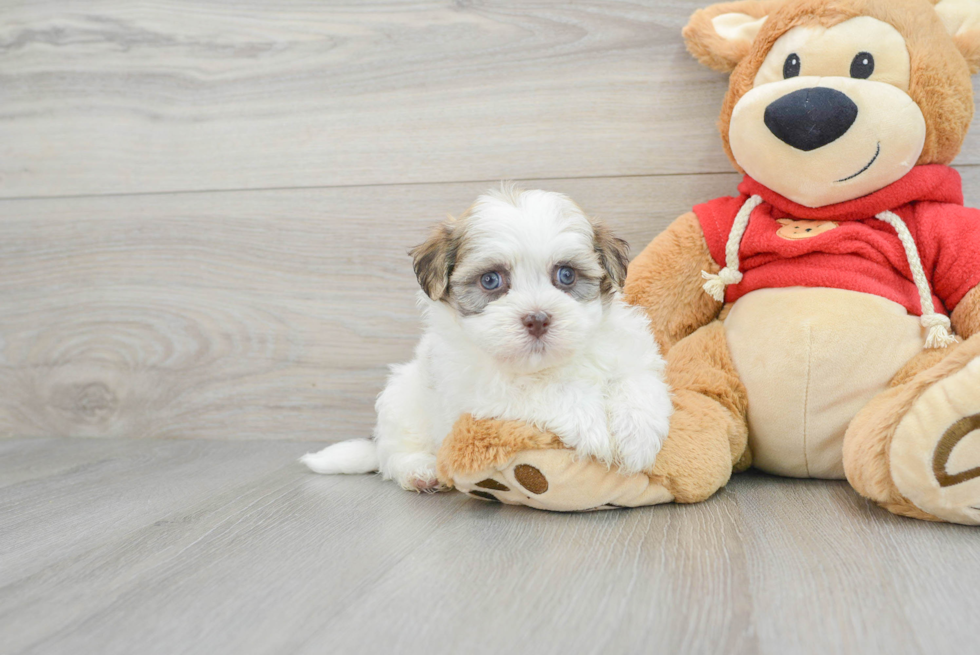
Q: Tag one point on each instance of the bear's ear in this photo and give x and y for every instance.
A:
(962, 19)
(721, 35)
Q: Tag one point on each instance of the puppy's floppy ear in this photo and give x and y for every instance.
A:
(962, 19)
(614, 254)
(721, 35)
(434, 260)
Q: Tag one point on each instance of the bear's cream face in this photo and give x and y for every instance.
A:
(829, 117)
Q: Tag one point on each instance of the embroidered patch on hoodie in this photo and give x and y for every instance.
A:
(794, 229)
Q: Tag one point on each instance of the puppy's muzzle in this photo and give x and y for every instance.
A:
(808, 119)
(537, 323)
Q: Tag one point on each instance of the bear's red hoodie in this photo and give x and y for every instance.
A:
(861, 253)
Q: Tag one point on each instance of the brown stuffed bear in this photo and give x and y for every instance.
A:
(823, 323)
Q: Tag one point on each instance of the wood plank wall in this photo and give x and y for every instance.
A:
(205, 205)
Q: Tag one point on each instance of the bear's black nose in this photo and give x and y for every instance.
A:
(811, 118)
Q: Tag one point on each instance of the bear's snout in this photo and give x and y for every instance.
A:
(808, 119)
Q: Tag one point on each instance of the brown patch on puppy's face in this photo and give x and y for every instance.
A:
(476, 284)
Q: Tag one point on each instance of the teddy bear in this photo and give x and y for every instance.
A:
(825, 321)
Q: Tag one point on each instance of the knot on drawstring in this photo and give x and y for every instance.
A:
(939, 335)
(716, 284)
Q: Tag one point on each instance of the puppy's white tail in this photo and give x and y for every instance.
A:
(354, 456)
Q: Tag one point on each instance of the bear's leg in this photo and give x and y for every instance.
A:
(709, 429)
(915, 448)
(514, 463)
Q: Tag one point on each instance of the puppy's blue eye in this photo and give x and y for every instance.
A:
(490, 281)
(565, 276)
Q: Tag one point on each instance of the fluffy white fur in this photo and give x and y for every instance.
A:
(595, 378)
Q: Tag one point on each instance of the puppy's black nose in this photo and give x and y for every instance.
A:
(811, 118)
(537, 323)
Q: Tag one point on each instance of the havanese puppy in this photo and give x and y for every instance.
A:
(524, 320)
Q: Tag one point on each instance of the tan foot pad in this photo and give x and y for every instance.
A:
(555, 480)
(935, 453)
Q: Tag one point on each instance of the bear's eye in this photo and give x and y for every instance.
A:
(791, 67)
(862, 66)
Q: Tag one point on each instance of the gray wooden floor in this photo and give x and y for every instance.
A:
(159, 546)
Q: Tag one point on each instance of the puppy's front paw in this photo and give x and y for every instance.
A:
(636, 454)
(595, 443)
(414, 472)
(638, 434)
(584, 426)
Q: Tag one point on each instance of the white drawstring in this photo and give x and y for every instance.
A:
(715, 285)
(938, 325)
(939, 335)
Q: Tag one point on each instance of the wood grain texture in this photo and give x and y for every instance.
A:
(105, 97)
(245, 315)
(267, 314)
(211, 547)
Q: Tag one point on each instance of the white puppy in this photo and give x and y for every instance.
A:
(524, 320)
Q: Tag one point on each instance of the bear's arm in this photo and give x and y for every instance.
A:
(950, 249)
(966, 316)
(665, 280)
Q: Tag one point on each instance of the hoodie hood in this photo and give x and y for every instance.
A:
(932, 182)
